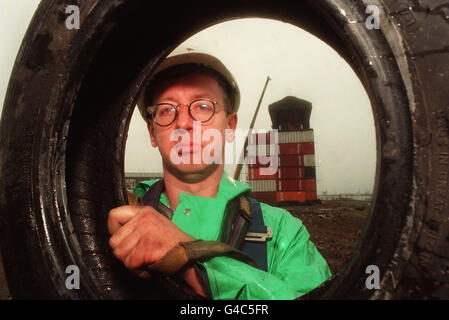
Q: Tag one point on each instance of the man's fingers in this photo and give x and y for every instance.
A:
(123, 242)
(119, 216)
(135, 260)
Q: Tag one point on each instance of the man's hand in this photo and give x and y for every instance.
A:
(141, 236)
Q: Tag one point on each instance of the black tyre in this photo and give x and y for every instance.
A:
(72, 93)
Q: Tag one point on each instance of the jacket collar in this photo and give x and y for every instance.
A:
(228, 188)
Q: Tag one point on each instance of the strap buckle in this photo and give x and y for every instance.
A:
(259, 236)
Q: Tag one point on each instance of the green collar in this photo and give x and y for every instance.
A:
(228, 188)
(201, 217)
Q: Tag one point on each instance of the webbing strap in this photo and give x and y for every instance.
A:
(152, 198)
(185, 252)
(237, 217)
(257, 250)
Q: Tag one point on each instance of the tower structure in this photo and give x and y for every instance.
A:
(295, 177)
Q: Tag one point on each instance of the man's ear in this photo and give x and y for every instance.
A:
(150, 127)
(231, 125)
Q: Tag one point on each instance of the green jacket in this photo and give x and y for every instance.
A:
(295, 266)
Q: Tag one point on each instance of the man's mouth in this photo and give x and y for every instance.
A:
(189, 148)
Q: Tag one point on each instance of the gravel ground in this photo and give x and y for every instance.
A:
(335, 228)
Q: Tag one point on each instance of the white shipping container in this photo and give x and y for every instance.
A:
(309, 160)
(262, 185)
(296, 136)
(307, 136)
(282, 137)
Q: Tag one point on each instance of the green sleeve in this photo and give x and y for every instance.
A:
(295, 266)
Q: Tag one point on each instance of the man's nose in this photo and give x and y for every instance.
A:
(184, 120)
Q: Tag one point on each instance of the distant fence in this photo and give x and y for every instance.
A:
(362, 197)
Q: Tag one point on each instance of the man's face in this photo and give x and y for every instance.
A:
(187, 147)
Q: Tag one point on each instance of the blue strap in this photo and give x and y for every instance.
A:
(257, 250)
(152, 196)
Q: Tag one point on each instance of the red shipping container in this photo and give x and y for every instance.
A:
(255, 174)
(291, 173)
(259, 138)
(310, 196)
(290, 185)
(264, 196)
(290, 160)
(262, 150)
(263, 138)
(310, 185)
(289, 148)
(307, 148)
(291, 196)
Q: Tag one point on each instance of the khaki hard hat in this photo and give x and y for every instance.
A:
(195, 60)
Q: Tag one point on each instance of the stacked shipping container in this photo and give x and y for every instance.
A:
(295, 177)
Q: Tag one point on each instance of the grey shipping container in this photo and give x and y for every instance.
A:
(268, 185)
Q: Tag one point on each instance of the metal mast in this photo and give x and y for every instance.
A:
(238, 169)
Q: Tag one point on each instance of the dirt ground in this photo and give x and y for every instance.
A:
(335, 227)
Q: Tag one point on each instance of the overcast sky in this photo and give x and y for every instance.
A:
(298, 63)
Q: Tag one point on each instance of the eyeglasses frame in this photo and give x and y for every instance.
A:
(177, 111)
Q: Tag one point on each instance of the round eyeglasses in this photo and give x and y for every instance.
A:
(164, 114)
